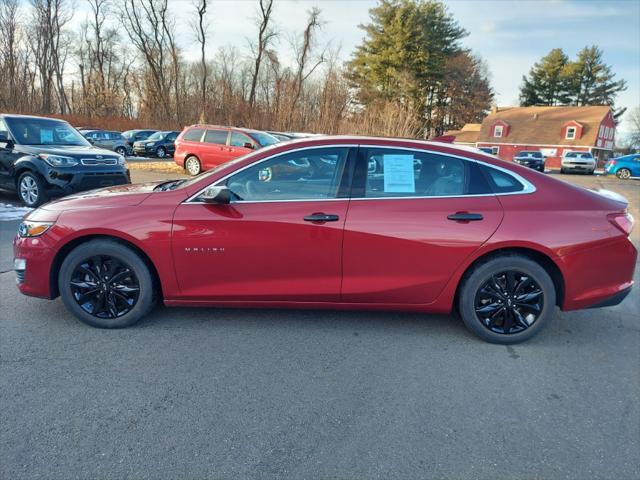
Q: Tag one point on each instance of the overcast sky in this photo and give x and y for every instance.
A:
(509, 35)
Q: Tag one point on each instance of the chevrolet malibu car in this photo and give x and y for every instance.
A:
(624, 167)
(307, 224)
(531, 159)
(42, 158)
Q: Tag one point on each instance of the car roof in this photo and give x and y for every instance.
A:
(34, 117)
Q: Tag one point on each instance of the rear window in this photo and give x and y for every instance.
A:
(193, 135)
(502, 182)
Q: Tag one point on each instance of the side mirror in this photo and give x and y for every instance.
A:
(5, 141)
(216, 195)
(248, 145)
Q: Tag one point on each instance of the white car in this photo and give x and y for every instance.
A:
(578, 162)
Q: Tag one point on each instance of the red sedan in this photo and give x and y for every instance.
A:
(337, 222)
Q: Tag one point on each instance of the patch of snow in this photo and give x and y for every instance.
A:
(10, 212)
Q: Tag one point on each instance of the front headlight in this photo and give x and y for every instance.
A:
(33, 229)
(58, 161)
(150, 144)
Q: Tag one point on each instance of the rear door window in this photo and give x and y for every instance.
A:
(193, 135)
(218, 137)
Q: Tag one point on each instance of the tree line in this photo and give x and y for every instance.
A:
(123, 66)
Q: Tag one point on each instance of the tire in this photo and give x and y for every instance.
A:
(192, 165)
(161, 152)
(592, 172)
(31, 189)
(81, 275)
(121, 151)
(562, 170)
(623, 173)
(488, 315)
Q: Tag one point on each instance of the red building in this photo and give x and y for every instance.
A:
(552, 130)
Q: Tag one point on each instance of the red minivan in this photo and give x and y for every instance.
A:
(203, 147)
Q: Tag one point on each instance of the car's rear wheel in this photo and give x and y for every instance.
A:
(507, 299)
(623, 173)
(161, 152)
(31, 189)
(121, 151)
(106, 284)
(192, 165)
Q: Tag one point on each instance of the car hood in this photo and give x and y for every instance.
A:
(70, 151)
(116, 196)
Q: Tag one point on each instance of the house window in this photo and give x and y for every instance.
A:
(601, 131)
(497, 131)
(611, 130)
(571, 133)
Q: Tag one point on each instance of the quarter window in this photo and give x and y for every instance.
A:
(216, 136)
(407, 173)
(302, 175)
(502, 182)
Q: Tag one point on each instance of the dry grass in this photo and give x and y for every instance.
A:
(161, 167)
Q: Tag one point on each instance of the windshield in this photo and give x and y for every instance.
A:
(44, 131)
(579, 155)
(531, 154)
(264, 139)
(157, 136)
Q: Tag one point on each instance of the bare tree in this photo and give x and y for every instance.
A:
(201, 36)
(265, 36)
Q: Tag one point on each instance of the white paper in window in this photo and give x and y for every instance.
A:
(399, 174)
(46, 136)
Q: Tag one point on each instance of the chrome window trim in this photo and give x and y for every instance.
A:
(528, 187)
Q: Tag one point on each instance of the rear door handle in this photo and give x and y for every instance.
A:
(321, 217)
(465, 217)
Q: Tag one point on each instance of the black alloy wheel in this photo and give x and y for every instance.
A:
(509, 302)
(104, 287)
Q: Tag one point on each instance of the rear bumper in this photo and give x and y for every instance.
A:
(613, 300)
(598, 275)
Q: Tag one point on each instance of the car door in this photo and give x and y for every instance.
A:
(7, 158)
(280, 238)
(238, 142)
(413, 219)
(214, 148)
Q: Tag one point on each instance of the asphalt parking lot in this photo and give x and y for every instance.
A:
(212, 393)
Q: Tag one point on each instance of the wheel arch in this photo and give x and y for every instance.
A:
(75, 242)
(25, 164)
(544, 260)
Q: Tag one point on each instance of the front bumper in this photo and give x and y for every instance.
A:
(65, 181)
(579, 167)
(34, 257)
(530, 164)
(144, 149)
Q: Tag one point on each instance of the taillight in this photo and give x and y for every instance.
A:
(611, 162)
(624, 221)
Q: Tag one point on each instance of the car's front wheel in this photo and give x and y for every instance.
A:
(507, 299)
(161, 152)
(623, 173)
(106, 284)
(31, 189)
(192, 165)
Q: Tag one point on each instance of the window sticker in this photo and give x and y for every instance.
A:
(399, 174)
(46, 136)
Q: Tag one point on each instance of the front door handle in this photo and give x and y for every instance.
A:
(321, 217)
(465, 217)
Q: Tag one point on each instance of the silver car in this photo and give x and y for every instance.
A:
(108, 140)
(578, 162)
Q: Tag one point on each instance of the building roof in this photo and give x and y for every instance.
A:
(467, 134)
(543, 125)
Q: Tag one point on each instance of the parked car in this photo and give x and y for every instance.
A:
(109, 140)
(624, 167)
(283, 137)
(46, 157)
(578, 162)
(203, 147)
(532, 159)
(466, 232)
(160, 144)
(132, 136)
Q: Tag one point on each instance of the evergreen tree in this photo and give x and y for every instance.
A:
(404, 55)
(591, 81)
(547, 81)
